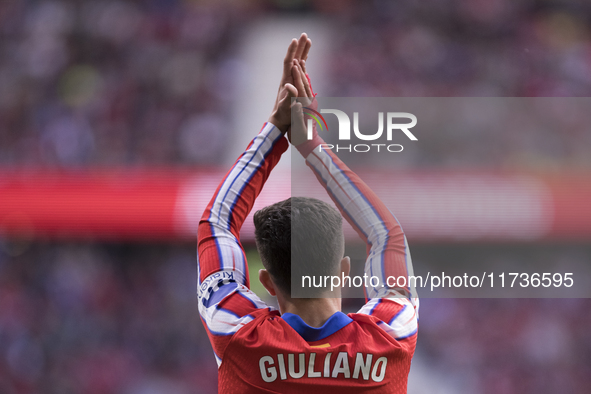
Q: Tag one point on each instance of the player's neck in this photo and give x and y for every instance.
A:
(313, 311)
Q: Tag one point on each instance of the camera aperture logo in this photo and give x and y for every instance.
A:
(392, 125)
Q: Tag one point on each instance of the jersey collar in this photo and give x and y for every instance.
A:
(310, 334)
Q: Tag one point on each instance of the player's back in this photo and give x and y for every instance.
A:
(349, 354)
(257, 349)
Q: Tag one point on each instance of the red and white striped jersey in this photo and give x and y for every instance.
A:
(257, 349)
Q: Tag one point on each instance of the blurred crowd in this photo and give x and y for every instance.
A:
(152, 82)
(115, 83)
(509, 346)
(102, 319)
(458, 48)
(482, 48)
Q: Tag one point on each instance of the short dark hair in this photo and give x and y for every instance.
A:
(302, 231)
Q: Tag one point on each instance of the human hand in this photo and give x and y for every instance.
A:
(297, 50)
(281, 115)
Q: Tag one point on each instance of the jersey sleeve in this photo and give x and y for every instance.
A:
(226, 302)
(388, 256)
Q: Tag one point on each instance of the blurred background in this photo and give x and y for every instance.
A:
(118, 119)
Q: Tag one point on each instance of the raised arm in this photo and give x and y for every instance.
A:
(388, 254)
(219, 248)
(225, 301)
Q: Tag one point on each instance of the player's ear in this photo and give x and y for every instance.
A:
(345, 265)
(266, 281)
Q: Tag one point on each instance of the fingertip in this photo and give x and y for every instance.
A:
(291, 90)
